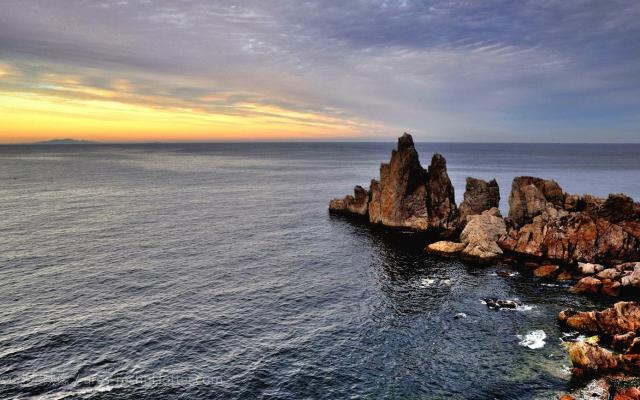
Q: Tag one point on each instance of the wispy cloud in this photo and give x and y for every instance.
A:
(546, 70)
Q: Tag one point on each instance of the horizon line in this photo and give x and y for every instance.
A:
(102, 143)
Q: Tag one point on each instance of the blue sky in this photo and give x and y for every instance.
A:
(539, 71)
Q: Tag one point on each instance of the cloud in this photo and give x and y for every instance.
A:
(500, 70)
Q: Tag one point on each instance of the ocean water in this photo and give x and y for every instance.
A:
(205, 271)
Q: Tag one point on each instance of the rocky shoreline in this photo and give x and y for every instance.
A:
(582, 238)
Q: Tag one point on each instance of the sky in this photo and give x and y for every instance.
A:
(199, 70)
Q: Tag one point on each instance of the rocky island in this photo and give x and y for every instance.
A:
(593, 241)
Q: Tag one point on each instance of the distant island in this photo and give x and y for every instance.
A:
(66, 141)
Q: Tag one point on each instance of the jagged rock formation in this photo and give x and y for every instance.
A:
(479, 196)
(529, 197)
(549, 224)
(543, 221)
(407, 196)
(357, 204)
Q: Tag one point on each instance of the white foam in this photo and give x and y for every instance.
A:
(533, 339)
(426, 282)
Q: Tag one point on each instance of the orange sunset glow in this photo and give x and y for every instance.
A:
(57, 105)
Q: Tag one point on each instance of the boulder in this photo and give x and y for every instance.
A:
(357, 204)
(609, 273)
(591, 358)
(479, 196)
(445, 248)
(610, 287)
(589, 268)
(631, 278)
(529, 197)
(587, 285)
(481, 234)
(546, 271)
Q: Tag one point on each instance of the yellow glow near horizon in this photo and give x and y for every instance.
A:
(26, 117)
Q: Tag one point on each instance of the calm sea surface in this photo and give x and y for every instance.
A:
(203, 271)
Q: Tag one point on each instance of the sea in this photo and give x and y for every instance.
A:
(214, 271)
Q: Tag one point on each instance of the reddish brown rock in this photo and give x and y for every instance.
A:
(479, 196)
(591, 358)
(632, 393)
(565, 276)
(403, 191)
(622, 341)
(546, 271)
(445, 248)
(610, 287)
(407, 196)
(357, 204)
(576, 237)
(587, 285)
(622, 318)
(529, 197)
(567, 228)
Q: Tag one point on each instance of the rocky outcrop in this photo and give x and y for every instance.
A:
(543, 222)
(548, 224)
(622, 318)
(619, 326)
(408, 196)
(481, 234)
(357, 204)
(479, 196)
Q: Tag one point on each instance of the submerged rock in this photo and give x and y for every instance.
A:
(587, 284)
(498, 304)
(479, 196)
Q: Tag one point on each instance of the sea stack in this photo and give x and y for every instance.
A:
(408, 196)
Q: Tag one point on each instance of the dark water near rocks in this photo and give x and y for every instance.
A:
(214, 271)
